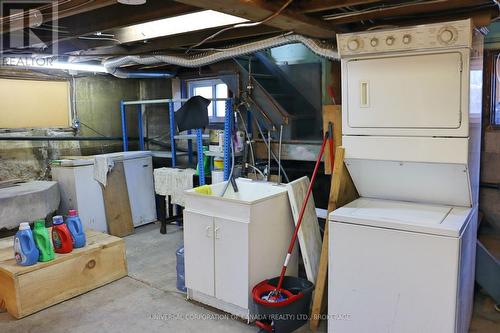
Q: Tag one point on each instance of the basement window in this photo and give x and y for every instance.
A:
(210, 89)
(495, 96)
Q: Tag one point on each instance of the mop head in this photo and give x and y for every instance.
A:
(273, 296)
(267, 294)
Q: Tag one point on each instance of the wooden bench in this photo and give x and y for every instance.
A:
(28, 289)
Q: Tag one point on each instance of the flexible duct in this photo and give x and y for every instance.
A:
(207, 58)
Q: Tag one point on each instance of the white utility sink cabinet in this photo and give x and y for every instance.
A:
(231, 243)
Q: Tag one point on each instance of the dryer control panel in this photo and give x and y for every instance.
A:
(428, 36)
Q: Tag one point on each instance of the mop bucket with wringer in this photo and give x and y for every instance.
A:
(289, 312)
(281, 304)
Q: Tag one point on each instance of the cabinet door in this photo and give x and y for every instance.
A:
(199, 252)
(231, 262)
(139, 174)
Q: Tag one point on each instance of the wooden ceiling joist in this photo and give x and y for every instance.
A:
(64, 9)
(315, 6)
(405, 9)
(257, 10)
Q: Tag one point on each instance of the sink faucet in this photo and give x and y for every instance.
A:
(233, 183)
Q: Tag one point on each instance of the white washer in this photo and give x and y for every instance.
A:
(400, 267)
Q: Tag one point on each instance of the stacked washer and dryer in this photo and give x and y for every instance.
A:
(402, 256)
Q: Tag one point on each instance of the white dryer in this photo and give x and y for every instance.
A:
(407, 115)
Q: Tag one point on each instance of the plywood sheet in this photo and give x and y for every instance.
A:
(309, 235)
(32, 103)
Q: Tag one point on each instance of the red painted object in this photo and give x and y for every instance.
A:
(61, 237)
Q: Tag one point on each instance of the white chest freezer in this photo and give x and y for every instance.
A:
(400, 267)
(79, 189)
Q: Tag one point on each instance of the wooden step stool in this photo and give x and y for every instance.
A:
(27, 289)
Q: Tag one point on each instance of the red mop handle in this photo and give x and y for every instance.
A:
(302, 211)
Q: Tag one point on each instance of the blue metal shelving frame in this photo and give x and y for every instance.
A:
(228, 125)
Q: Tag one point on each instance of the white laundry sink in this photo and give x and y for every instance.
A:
(233, 242)
(235, 205)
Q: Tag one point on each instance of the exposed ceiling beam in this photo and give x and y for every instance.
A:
(180, 41)
(119, 15)
(104, 19)
(314, 6)
(257, 10)
(480, 18)
(405, 9)
(64, 9)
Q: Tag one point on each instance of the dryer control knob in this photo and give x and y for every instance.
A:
(390, 40)
(446, 35)
(353, 44)
(406, 39)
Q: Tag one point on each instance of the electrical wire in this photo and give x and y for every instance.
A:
(243, 25)
(101, 39)
(93, 130)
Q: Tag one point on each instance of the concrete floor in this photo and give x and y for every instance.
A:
(147, 300)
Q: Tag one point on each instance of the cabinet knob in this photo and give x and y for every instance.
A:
(208, 231)
(217, 233)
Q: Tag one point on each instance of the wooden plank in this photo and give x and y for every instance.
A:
(257, 10)
(332, 113)
(101, 261)
(404, 9)
(73, 277)
(116, 203)
(342, 191)
(309, 234)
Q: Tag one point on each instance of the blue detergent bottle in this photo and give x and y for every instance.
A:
(25, 250)
(76, 229)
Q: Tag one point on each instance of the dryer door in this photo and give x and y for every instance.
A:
(405, 92)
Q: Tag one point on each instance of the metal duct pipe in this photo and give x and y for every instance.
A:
(207, 58)
(131, 74)
(63, 138)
